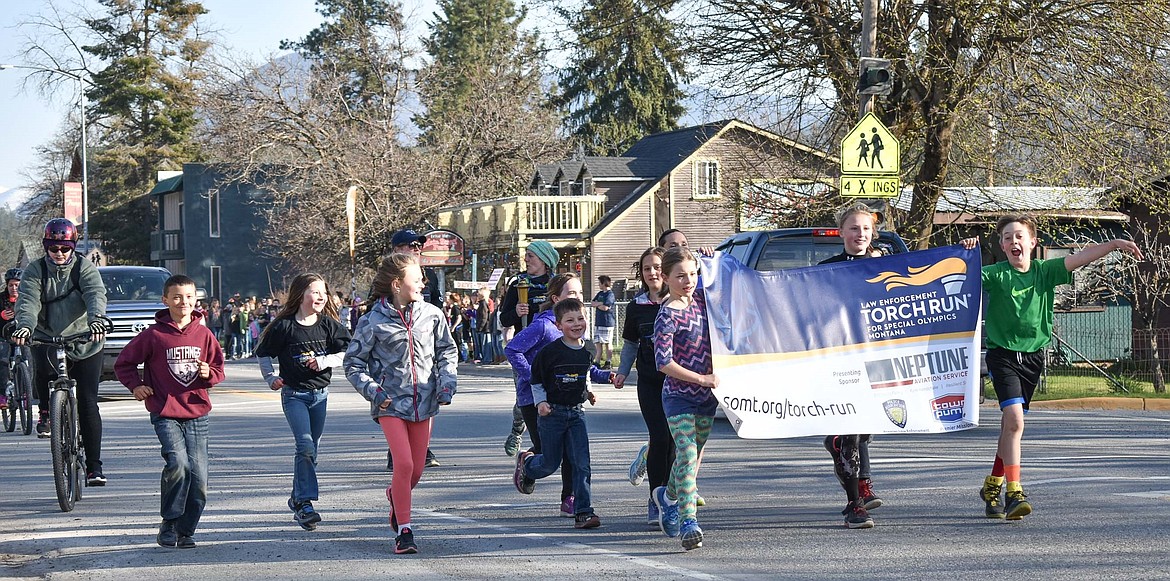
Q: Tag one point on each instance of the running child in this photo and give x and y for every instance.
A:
(404, 361)
(561, 373)
(656, 457)
(682, 349)
(522, 350)
(181, 360)
(1018, 324)
(308, 341)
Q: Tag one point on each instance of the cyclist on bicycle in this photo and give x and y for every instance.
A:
(7, 315)
(62, 295)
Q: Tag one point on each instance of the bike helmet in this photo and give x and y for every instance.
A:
(12, 274)
(61, 229)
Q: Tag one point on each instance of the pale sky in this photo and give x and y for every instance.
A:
(253, 27)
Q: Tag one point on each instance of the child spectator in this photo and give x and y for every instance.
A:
(181, 359)
(560, 385)
(404, 361)
(604, 320)
(1018, 316)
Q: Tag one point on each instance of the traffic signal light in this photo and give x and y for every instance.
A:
(876, 77)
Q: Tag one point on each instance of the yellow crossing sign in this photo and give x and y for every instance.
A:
(870, 149)
(870, 186)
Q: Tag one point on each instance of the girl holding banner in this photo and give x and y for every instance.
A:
(682, 348)
(856, 225)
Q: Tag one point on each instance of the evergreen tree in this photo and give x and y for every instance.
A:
(350, 45)
(143, 104)
(487, 116)
(623, 79)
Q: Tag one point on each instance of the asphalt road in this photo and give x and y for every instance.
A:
(1099, 483)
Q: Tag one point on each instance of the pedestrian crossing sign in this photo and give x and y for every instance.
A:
(870, 150)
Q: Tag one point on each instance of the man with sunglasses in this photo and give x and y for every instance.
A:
(62, 294)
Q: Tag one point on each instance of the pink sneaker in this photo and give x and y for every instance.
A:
(567, 509)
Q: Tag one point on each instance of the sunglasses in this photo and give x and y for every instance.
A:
(60, 249)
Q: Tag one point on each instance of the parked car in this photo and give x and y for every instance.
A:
(133, 296)
(767, 250)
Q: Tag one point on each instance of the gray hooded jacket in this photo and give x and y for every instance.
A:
(70, 315)
(407, 356)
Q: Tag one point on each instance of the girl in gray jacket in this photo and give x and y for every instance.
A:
(403, 360)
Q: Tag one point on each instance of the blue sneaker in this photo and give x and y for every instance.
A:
(638, 466)
(667, 512)
(651, 512)
(692, 535)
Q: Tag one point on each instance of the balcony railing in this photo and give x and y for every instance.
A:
(166, 245)
(525, 215)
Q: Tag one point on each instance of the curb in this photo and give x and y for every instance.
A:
(1105, 403)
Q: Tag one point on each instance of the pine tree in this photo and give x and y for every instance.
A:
(144, 108)
(623, 79)
(487, 114)
(349, 45)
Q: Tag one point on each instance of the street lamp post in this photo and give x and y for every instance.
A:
(84, 162)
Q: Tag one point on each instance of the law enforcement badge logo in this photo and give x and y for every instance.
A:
(895, 411)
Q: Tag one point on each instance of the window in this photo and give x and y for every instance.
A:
(213, 214)
(216, 283)
(706, 185)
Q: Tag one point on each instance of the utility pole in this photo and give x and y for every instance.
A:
(869, 9)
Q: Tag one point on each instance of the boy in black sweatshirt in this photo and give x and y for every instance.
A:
(561, 374)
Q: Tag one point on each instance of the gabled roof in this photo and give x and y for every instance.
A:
(677, 144)
(1011, 199)
(624, 168)
(545, 173)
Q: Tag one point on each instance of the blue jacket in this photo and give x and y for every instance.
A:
(522, 349)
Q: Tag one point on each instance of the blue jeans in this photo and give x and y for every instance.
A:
(184, 478)
(305, 412)
(563, 432)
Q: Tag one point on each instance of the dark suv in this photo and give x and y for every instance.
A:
(133, 296)
(767, 250)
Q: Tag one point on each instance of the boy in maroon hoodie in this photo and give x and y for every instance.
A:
(181, 360)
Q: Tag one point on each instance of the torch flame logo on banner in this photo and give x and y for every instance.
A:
(952, 272)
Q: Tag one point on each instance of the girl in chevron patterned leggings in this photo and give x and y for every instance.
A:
(682, 351)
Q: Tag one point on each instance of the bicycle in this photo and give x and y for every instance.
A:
(18, 391)
(65, 444)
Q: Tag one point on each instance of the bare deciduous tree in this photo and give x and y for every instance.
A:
(1051, 93)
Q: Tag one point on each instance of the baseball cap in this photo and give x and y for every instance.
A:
(406, 237)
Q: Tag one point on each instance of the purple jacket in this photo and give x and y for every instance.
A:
(522, 349)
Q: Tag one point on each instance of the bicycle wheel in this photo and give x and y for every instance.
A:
(23, 382)
(8, 414)
(62, 445)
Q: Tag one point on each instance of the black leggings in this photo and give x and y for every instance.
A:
(660, 455)
(530, 414)
(88, 373)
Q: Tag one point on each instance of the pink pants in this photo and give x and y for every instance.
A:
(408, 443)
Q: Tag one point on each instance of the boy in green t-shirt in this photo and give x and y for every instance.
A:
(1018, 322)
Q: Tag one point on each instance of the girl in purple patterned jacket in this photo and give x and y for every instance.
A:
(682, 351)
(522, 349)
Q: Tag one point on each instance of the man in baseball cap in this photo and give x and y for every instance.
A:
(407, 239)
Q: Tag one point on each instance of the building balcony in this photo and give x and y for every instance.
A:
(166, 245)
(526, 216)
